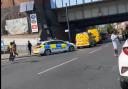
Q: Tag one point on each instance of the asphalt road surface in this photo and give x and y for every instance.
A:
(89, 68)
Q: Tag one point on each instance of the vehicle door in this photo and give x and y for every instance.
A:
(53, 46)
(61, 46)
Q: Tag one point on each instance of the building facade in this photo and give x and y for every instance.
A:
(62, 3)
(47, 21)
(11, 3)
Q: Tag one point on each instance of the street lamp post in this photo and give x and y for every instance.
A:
(67, 18)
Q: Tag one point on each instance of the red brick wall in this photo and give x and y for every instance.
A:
(6, 3)
(9, 3)
(17, 2)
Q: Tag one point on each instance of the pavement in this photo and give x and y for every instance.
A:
(20, 55)
(88, 68)
(23, 52)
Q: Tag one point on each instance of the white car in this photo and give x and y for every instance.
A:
(53, 46)
(123, 66)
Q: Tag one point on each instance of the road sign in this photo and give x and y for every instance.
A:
(34, 25)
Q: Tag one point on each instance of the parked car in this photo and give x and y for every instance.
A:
(123, 66)
(104, 36)
(53, 46)
(3, 47)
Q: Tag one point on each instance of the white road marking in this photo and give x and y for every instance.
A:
(56, 66)
(95, 50)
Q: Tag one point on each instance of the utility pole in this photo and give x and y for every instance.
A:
(67, 18)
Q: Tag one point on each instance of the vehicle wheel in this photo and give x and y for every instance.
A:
(41, 54)
(92, 44)
(123, 85)
(47, 52)
(71, 48)
(95, 44)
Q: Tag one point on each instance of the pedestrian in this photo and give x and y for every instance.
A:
(126, 34)
(29, 47)
(123, 35)
(115, 42)
(11, 52)
(15, 48)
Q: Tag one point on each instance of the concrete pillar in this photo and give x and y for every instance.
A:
(47, 16)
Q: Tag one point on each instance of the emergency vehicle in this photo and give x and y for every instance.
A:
(85, 39)
(53, 46)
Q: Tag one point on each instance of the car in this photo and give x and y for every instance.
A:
(123, 66)
(53, 46)
(104, 36)
(3, 48)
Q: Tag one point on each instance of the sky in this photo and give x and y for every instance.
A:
(62, 3)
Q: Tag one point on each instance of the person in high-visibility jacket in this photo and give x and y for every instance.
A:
(11, 51)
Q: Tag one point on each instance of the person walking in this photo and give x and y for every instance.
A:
(11, 52)
(15, 48)
(29, 47)
(115, 42)
(126, 35)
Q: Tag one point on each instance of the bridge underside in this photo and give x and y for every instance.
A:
(85, 15)
(81, 25)
(103, 12)
(97, 21)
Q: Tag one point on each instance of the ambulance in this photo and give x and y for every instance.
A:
(96, 34)
(85, 39)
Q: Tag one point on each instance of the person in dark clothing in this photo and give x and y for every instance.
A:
(11, 52)
(15, 48)
(126, 35)
(29, 47)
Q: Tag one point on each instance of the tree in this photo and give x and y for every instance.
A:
(109, 28)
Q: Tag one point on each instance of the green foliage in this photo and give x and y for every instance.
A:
(109, 28)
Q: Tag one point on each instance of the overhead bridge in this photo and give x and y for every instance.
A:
(100, 12)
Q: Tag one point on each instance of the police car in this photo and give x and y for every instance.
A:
(123, 66)
(53, 46)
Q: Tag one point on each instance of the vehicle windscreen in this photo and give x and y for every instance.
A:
(38, 44)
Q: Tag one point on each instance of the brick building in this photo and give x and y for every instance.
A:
(11, 3)
(45, 16)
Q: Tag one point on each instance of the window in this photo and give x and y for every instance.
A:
(52, 42)
(59, 3)
(38, 44)
(60, 42)
(62, 3)
(65, 2)
(53, 3)
(73, 2)
(87, 1)
(79, 1)
(96, 0)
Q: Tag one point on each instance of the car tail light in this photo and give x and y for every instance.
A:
(124, 69)
(125, 50)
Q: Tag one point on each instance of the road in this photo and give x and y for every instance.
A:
(89, 68)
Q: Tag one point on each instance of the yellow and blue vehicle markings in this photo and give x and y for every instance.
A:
(55, 46)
